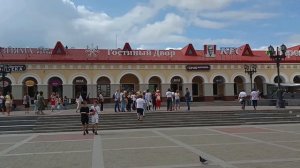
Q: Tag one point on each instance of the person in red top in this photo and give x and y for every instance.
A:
(158, 99)
(53, 103)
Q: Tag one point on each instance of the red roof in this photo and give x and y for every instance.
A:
(128, 55)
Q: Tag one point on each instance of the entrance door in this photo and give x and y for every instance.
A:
(80, 87)
(176, 84)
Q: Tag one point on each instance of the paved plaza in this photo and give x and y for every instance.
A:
(255, 146)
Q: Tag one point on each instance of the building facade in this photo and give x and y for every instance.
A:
(210, 74)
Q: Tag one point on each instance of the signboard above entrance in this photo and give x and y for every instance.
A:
(197, 67)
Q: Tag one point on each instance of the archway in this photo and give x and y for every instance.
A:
(103, 86)
(259, 84)
(219, 87)
(238, 85)
(55, 86)
(129, 82)
(30, 87)
(154, 83)
(80, 87)
(281, 79)
(198, 88)
(296, 79)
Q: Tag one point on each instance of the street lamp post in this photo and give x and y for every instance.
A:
(278, 56)
(4, 69)
(250, 69)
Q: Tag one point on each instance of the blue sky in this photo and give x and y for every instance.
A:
(149, 24)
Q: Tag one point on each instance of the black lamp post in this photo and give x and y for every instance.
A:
(278, 56)
(4, 69)
(250, 69)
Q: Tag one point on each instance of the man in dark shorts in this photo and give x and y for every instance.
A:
(84, 111)
(140, 107)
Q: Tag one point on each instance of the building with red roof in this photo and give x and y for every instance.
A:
(209, 73)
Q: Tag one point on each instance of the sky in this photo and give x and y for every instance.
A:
(149, 24)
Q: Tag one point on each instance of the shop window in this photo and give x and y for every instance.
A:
(127, 87)
(104, 89)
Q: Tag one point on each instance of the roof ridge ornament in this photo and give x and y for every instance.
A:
(59, 49)
(92, 51)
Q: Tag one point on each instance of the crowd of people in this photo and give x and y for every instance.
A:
(126, 101)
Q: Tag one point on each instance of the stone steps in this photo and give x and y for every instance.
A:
(63, 123)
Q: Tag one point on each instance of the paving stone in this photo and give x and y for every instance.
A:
(41, 147)
(187, 131)
(136, 143)
(209, 139)
(275, 136)
(12, 138)
(283, 164)
(148, 157)
(71, 160)
(254, 151)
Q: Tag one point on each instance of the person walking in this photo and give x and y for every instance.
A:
(8, 102)
(123, 100)
(254, 98)
(84, 112)
(177, 100)
(40, 103)
(95, 112)
(140, 102)
(26, 102)
(52, 103)
(35, 108)
(158, 99)
(153, 101)
(169, 100)
(187, 97)
(242, 99)
(101, 101)
(66, 102)
(116, 97)
(78, 100)
(2, 103)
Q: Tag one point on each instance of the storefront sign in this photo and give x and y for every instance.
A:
(30, 83)
(17, 68)
(13, 50)
(197, 67)
(55, 82)
(80, 81)
(229, 51)
(5, 69)
(290, 53)
(155, 53)
(176, 80)
(210, 50)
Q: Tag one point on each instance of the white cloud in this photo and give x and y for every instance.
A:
(202, 23)
(223, 42)
(293, 40)
(168, 30)
(239, 15)
(196, 5)
(37, 23)
(261, 48)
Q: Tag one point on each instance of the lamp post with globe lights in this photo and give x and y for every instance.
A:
(250, 69)
(278, 56)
